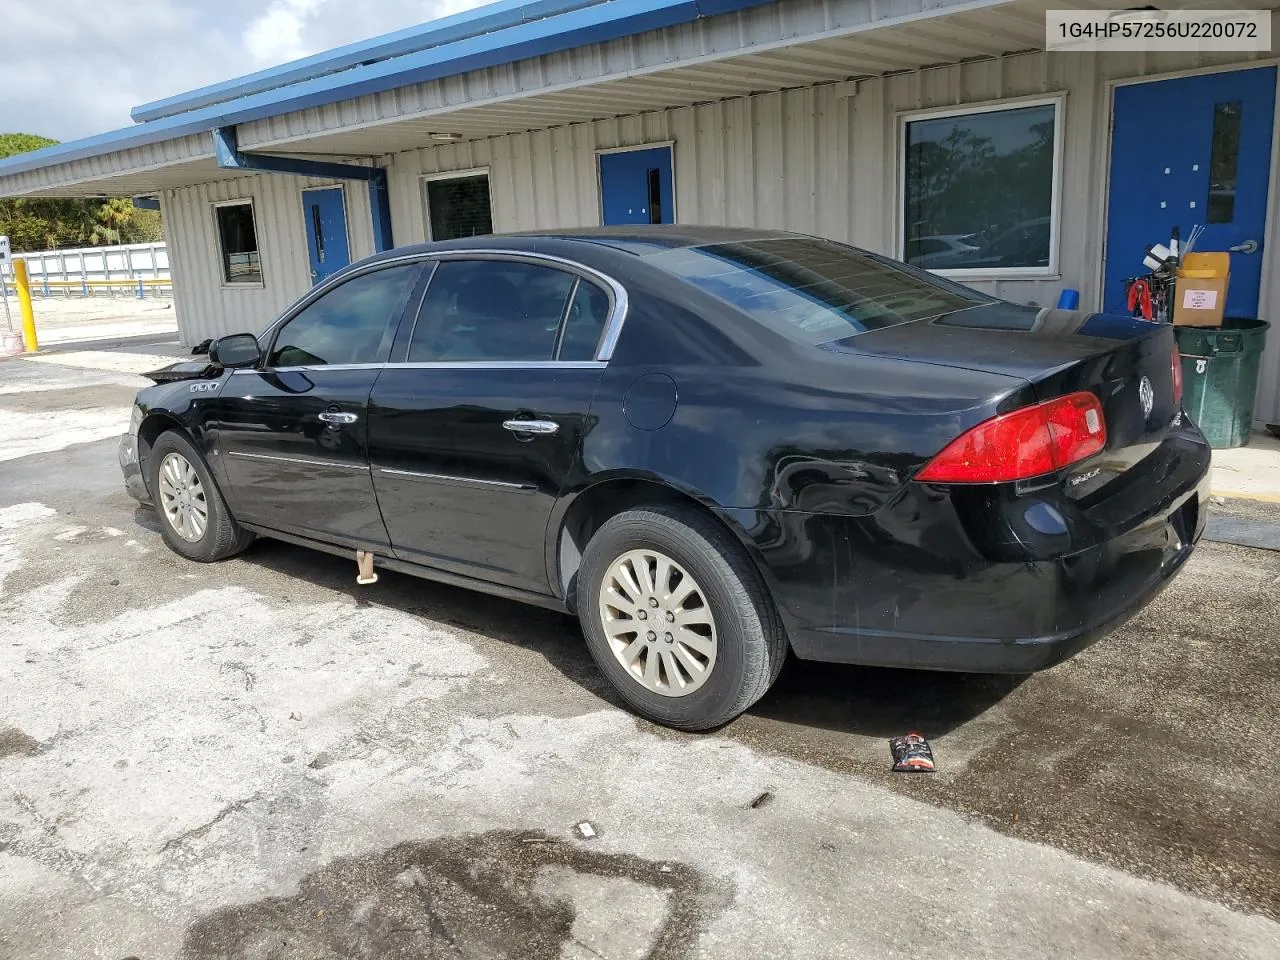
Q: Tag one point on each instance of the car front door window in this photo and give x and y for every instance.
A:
(349, 324)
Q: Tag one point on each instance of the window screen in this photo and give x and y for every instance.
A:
(491, 310)
(815, 291)
(459, 207)
(347, 324)
(979, 189)
(238, 241)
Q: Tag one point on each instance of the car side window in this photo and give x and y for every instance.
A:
(491, 310)
(584, 325)
(347, 324)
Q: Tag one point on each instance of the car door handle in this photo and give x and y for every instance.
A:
(330, 416)
(540, 427)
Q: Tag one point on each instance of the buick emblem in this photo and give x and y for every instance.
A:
(1146, 396)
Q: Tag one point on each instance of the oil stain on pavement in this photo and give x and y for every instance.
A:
(13, 742)
(501, 894)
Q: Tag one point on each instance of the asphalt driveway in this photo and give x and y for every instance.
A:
(260, 759)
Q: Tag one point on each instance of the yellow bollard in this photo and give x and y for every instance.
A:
(23, 283)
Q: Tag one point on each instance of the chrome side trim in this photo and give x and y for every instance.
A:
(314, 368)
(463, 481)
(310, 463)
(500, 365)
(443, 365)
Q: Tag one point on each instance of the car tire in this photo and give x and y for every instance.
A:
(194, 519)
(741, 650)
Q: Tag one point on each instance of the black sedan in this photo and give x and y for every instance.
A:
(710, 444)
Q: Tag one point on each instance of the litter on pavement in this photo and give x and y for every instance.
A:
(911, 754)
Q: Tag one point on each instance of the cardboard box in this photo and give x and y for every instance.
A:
(1200, 293)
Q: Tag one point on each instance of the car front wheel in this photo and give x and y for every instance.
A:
(194, 518)
(677, 617)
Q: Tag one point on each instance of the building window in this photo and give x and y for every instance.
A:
(1224, 159)
(238, 240)
(458, 206)
(979, 189)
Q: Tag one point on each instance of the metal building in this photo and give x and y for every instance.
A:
(935, 130)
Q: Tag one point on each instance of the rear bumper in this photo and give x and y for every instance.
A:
(134, 484)
(908, 588)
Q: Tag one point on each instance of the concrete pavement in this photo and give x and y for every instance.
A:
(259, 759)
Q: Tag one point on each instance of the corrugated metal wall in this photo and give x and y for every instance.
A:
(748, 161)
(820, 160)
(208, 307)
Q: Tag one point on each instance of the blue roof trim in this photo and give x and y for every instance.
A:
(595, 24)
(460, 26)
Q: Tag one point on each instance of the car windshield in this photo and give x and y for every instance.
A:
(815, 291)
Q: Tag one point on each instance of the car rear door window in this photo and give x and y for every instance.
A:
(478, 310)
(349, 323)
(584, 325)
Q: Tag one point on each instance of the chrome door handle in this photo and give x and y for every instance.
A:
(330, 416)
(1249, 246)
(540, 427)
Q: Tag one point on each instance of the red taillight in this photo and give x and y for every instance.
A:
(1177, 379)
(1024, 443)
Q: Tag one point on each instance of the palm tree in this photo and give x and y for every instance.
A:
(113, 218)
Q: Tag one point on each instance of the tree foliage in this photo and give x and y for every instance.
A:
(39, 223)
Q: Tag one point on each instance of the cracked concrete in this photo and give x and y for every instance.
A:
(250, 759)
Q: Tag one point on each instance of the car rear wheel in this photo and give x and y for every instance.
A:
(194, 518)
(677, 617)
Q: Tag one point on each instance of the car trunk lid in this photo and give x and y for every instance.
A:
(1126, 363)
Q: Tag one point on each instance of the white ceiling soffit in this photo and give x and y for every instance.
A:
(793, 43)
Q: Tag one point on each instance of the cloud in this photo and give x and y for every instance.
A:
(84, 76)
(276, 36)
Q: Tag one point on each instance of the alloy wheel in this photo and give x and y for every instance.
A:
(658, 623)
(182, 498)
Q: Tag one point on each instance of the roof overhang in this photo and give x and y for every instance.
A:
(384, 108)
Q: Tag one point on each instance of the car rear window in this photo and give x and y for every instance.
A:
(815, 291)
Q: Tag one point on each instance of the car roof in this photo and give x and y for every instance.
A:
(639, 240)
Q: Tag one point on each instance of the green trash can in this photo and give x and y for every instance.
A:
(1220, 377)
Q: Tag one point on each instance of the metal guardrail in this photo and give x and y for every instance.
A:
(86, 271)
(138, 286)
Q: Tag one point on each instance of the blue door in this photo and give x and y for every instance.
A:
(326, 217)
(1196, 150)
(635, 186)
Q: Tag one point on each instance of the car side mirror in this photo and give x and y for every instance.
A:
(237, 350)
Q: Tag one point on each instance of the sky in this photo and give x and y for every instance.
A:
(74, 68)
